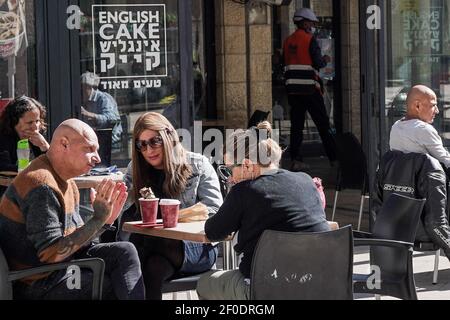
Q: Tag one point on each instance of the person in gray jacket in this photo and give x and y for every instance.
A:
(160, 162)
(99, 108)
(415, 132)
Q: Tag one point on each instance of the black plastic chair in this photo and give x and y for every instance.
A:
(257, 117)
(394, 161)
(352, 170)
(391, 249)
(105, 142)
(7, 277)
(185, 283)
(303, 266)
(224, 174)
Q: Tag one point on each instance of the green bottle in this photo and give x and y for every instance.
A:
(23, 154)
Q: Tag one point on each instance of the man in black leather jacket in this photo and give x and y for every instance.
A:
(417, 176)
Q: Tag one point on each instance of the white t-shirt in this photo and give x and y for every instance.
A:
(416, 136)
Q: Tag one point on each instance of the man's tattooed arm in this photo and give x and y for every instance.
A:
(70, 244)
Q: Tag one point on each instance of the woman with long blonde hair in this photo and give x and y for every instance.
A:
(160, 162)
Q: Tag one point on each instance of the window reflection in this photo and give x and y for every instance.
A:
(133, 47)
(417, 52)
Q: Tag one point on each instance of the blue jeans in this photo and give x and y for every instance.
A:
(198, 257)
(123, 278)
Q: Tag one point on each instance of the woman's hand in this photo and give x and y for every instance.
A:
(198, 212)
(39, 141)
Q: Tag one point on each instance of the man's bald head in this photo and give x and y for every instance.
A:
(73, 149)
(421, 104)
(74, 129)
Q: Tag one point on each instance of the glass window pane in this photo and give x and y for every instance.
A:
(132, 47)
(417, 52)
(17, 50)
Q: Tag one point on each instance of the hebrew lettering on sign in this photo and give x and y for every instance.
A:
(130, 37)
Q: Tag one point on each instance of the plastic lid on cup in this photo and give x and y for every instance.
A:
(143, 199)
(169, 202)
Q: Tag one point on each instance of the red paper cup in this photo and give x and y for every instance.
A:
(169, 211)
(149, 210)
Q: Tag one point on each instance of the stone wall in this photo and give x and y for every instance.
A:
(236, 78)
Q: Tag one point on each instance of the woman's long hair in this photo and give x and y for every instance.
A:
(10, 117)
(176, 167)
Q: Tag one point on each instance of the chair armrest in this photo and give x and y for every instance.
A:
(361, 235)
(382, 243)
(97, 266)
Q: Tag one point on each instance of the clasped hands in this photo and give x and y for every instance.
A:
(108, 200)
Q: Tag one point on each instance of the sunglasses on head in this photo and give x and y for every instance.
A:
(154, 143)
(226, 172)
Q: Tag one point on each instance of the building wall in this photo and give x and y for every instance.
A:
(244, 82)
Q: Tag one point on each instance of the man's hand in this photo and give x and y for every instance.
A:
(108, 200)
(39, 141)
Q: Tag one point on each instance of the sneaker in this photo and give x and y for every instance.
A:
(297, 166)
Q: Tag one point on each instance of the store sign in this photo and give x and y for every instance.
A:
(129, 45)
(422, 30)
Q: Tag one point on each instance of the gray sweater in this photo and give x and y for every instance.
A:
(416, 136)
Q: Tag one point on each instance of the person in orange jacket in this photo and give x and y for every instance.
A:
(303, 59)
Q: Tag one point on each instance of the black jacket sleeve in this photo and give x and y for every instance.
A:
(8, 156)
(228, 219)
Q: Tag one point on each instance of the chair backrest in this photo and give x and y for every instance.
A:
(352, 163)
(397, 220)
(257, 117)
(303, 266)
(223, 175)
(105, 142)
(5, 284)
(424, 165)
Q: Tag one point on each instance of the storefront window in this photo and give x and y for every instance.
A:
(417, 52)
(199, 61)
(130, 54)
(283, 27)
(17, 50)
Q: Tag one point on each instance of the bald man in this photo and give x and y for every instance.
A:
(40, 222)
(415, 133)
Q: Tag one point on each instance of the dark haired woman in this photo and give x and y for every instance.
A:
(23, 118)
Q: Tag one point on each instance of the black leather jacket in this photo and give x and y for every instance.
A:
(419, 176)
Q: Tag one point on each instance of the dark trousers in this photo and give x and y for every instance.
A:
(123, 277)
(315, 106)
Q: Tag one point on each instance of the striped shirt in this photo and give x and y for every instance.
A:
(37, 209)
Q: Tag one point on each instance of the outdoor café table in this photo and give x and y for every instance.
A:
(192, 231)
(86, 182)
(83, 182)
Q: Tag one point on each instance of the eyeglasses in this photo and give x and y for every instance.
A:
(226, 172)
(153, 143)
